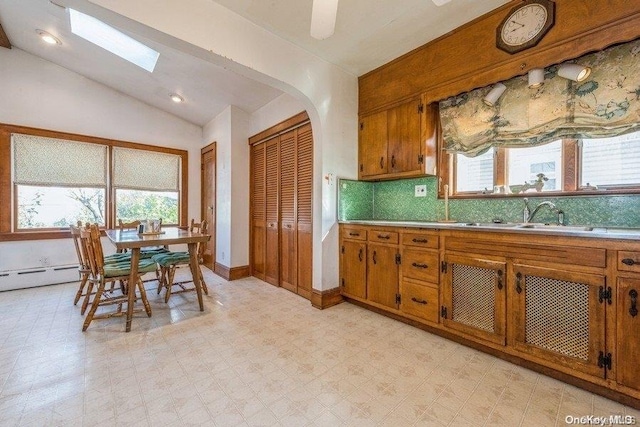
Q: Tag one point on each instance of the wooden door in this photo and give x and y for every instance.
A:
(405, 148)
(474, 297)
(208, 200)
(382, 274)
(628, 321)
(258, 211)
(372, 144)
(353, 268)
(287, 228)
(304, 206)
(557, 316)
(272, 251)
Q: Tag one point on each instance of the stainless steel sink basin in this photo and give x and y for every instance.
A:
(491, 224)
(555, 227)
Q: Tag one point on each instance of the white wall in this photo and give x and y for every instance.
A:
(328, 93)
(40, 94)
(276, 111)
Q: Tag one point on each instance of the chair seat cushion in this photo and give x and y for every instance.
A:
(171, 258)
(147, 253)
(123, 268)
(117, 257)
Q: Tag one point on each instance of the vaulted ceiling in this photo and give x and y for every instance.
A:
(368, 34)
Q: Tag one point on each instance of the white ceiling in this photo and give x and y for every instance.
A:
(368, 34)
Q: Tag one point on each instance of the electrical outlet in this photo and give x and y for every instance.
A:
(44, 261)
(421, 191)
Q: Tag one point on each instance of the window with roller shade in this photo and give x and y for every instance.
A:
(57, 179)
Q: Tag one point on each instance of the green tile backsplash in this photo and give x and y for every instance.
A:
(395, 201)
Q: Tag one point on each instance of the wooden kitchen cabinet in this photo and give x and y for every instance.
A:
(628, 333)
(382, 268)
(559, 315)
(353, 268)
(398, 142)
(474, 297)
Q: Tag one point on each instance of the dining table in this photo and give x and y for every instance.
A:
(133, 241)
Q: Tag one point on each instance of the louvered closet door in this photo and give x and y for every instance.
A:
(288, 264)
(304, 209)
(272, 264)
(258, 210)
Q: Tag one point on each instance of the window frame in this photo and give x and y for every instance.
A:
(8, 191)
(571, 172)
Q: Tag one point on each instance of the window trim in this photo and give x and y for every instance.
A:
(571, 172)
(8, 193)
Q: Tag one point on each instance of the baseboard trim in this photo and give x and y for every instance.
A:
(233, 273)
(326, 299)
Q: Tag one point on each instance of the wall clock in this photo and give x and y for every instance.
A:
(525, 25)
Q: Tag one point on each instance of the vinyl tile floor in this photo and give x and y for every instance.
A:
(257, 356)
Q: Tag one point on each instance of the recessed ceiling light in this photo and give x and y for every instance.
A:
(116, 42)
(176, 98)
(48, 38)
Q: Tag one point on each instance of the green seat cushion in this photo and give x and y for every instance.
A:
(117, 257)
(123, 268)
(146, 253)
(171, 258)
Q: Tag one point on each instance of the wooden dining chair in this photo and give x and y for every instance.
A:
(144, 252)
(84, 268)
(170, 261)
(102, 273)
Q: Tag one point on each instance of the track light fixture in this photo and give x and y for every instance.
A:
(494, 94)
(536, 77)
(575, 72)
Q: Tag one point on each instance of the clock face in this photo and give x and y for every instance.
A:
(524, 24)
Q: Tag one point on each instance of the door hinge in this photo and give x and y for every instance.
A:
(443, 312)
(343, 249)
(420, 158)
(398, 299)
(420, 108)
(604, 361)
(343, 282)
(443, 266)
(398, 259)
(605, 294)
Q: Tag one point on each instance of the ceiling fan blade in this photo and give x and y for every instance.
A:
(440, 2)
(323, 18)
(4, 40)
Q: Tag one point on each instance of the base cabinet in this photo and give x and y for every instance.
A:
(353, 268)
(382, 274)
(628, 333)
(558, 315)
(474, 297)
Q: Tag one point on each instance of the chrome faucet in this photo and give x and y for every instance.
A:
(528, 214)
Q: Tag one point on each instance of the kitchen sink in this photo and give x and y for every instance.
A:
(491, 224)
(555, 227)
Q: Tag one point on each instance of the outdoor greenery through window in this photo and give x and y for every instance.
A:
(58, 181)
(560, 166)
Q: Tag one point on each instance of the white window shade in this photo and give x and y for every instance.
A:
(50, 161)
(145, 170)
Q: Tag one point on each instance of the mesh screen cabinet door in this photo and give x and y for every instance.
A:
(559, 316)
(474, 297)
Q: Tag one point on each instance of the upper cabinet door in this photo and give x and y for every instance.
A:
(372, 144)
(405, 148)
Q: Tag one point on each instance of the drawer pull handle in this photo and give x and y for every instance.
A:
(384, 236)
(419, 301)
(628, 261)
(393, 161)
(416, 265)
(499, 279)
(519, 283)
(633, 311)
(381, 162)
(420, 241)
(375, 257)
(354, 234)
(360, 254)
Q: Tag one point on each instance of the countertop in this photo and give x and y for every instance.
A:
(617, 233)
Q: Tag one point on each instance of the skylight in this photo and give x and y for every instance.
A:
(101, 34)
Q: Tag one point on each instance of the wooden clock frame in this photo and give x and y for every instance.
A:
(549, 5)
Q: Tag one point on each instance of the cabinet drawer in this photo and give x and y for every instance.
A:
(420, 301)
(423, 240)
(354, 233)
(383, 236)
(420, 265)
(629, 261)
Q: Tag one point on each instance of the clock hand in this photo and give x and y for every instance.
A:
(517, 23)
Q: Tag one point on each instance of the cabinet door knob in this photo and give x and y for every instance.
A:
(393, 161)
(381, 162)
(375, 257)
(633, 310)
(416, 265)
(419, 301)
(628, 261)
(384, 236)
(420, 241)
(354, 234)
(360, 254)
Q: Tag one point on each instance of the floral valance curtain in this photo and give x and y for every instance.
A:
(606, 104)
